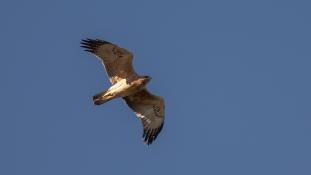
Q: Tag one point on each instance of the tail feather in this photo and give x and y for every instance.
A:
(102, 98)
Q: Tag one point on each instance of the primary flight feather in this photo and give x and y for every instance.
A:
(127, 84)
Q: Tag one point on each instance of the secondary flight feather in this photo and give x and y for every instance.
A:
(127, 84)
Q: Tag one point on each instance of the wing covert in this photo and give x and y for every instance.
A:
(116, 60)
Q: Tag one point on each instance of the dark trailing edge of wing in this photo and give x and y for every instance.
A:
(150, 135)
(91, 45)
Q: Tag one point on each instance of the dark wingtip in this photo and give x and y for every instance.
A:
(150, 135)
(91, 45)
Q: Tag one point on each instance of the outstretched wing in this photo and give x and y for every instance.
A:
(150, 110)
(117, 61)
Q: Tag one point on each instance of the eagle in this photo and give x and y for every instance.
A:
(129, 85)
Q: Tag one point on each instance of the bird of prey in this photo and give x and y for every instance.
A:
(127, 84)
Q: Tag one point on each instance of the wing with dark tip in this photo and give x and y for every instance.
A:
(117, 61)
(150, 110)
(91, 45)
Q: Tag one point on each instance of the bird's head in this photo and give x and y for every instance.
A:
(146, 79)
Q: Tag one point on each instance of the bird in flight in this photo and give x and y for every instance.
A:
(127, 84)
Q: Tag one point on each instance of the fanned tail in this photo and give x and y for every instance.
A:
(102, 97)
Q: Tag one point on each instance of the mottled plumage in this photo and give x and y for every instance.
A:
(127, 84)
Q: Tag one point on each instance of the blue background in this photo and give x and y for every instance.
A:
(235, 76)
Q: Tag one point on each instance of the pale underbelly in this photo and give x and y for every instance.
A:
(123, 89)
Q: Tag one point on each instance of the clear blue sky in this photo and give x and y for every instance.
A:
(235, 76)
